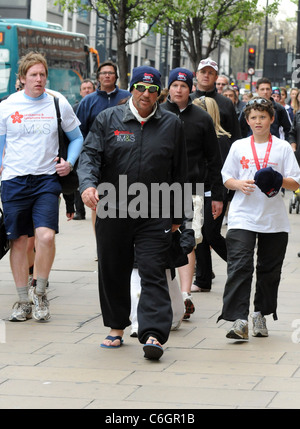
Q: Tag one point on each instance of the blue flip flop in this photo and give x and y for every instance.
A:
(111, 338)
(153, 351)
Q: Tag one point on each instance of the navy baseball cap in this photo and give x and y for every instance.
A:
(269, 181)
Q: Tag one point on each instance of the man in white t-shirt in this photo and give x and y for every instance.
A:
(256, 168)
(30, 186)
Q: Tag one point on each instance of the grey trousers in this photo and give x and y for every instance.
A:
(271, 248)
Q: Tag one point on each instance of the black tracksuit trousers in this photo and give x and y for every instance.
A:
(271, 248)
(118, 241)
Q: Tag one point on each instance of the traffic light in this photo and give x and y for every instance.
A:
(251, 56)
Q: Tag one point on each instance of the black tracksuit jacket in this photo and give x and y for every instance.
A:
(118, 144)
(203, 153)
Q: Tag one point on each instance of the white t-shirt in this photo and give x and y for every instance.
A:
(257, 212)
(30, 126)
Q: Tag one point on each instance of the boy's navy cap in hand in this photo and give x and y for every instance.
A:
(269, 181)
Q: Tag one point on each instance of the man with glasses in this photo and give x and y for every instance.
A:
(136, 144)
(221, 82)
(108, 94)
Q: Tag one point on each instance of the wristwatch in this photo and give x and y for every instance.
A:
(71, 166)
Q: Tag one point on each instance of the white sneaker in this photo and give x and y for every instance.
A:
(259, 326)
(238, 331)
(176, 325)
(22, 311)
(189, 306)
(30, 294)
(40, 307)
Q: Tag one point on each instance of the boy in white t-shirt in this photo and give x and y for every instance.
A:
(256, 168)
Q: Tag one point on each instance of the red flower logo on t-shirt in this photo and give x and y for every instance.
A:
(245, 162)
(17, 118)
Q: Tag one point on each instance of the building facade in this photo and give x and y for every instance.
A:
(155, 50)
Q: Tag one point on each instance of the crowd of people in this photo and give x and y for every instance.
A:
(198, 130)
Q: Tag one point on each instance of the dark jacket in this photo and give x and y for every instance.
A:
(281, 120)
(92, 104)
(204, 159)
(294, 135)
(228, 116)
(152, 153)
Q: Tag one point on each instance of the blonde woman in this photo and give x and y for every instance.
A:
(211, 107)
(247, 96)
(211, 229)
(294, 103)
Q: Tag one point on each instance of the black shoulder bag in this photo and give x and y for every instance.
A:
(70, 182)
(4, 242)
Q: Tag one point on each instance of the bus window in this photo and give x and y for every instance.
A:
(69, 61)
(4, 78)
(67, 82)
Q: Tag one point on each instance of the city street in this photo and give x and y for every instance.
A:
(59, 364)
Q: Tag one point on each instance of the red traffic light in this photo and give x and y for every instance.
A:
(251, 51)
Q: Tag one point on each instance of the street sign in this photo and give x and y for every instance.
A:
(251, 71)
(242, 76)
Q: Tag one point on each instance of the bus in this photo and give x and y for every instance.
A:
(69, 58)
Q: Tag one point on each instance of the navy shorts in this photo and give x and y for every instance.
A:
(30, 202)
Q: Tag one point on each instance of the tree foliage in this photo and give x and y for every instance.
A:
(124, 15)
(203, 22)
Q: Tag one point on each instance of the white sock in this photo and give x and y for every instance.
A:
(23, 294)
(41, 285)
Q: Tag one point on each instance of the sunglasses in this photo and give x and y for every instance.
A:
(257, 101)
(212, 63)
(142, 88)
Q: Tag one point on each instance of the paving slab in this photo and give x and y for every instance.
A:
(60, 365)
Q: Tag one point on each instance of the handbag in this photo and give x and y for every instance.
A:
(4, 242)
(70, 182)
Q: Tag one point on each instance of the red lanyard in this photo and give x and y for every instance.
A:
(266, 155)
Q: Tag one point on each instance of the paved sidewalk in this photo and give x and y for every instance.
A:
(59, 364)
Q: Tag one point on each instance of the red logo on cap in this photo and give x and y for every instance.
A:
(148, 77)
(181, 76)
